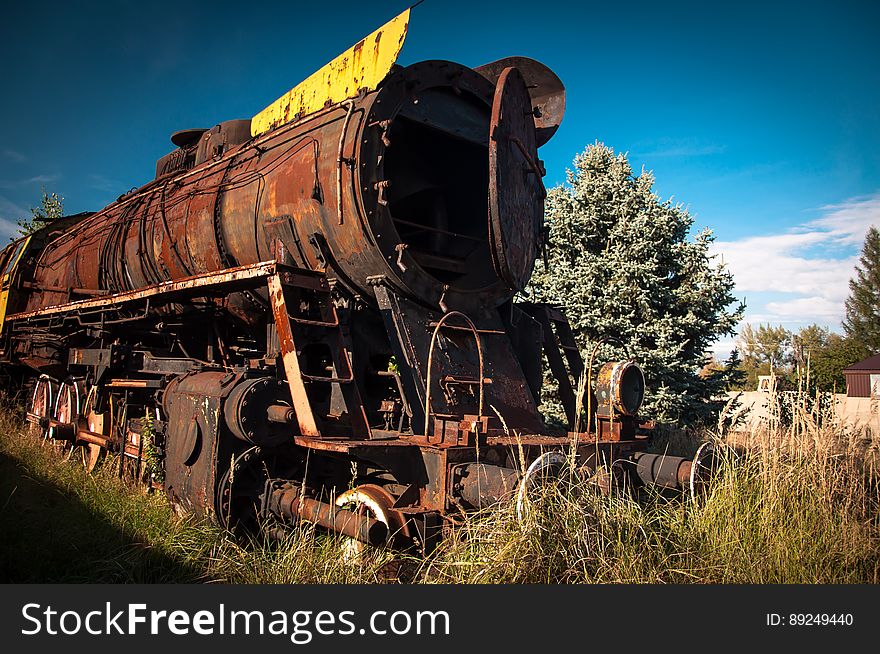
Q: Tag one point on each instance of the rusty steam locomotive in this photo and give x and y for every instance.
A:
(309, 315)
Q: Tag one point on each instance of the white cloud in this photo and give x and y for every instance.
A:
(722, 349)
(13, 155)
(37, 179)
(10, 213)
(770, 263)
(676, 148)
(847, 222)
(822, 309)
(809, 267)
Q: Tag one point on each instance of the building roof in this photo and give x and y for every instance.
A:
(871, 363)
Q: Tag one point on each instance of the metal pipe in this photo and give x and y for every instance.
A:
(289, 503)
(86, 436)
(69, 431)
(340, 160)
(61, 431)
(281, 413)
(662, 470)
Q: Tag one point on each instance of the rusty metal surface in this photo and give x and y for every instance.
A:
(434, 205)
(292, 328)
(194, 443)
(185, 285)
(620, 388)
(516, 192)
(301, 405)
(546, 90)
(226, 213)
(246, 414)
(290, 503)
(663, 470)
(456, 355)
(480, 485)
(325, 310)
(377, 503)
(349, 445)
(360, 68)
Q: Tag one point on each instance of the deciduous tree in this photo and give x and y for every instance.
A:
(51, 208)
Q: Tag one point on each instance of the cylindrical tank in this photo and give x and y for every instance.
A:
(391, 184)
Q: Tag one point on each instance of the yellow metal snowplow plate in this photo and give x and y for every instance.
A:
(362, 66)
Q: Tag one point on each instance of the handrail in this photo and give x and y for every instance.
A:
(476, 334)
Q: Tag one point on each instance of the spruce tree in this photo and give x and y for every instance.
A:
(732, 374)
(621, 265)
(862, 323)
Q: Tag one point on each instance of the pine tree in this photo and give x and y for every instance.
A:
(732, 374)
(862, 323)
(622, 267)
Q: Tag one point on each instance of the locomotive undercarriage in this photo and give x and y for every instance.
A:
(247, 424)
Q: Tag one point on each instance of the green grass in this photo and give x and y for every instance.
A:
(777, 520)
(61, 524)
(798, 507)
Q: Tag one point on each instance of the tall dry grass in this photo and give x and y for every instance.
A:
(792, 502)
(789, 504)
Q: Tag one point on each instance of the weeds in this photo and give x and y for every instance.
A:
(795, 505)
(60, 524)
(766, 518)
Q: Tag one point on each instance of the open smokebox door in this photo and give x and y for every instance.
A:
(527, 109)
(516, 190)
(546, 90)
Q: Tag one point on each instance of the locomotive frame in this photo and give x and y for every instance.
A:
(310, 315)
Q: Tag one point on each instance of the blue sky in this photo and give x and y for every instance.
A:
(763, 118)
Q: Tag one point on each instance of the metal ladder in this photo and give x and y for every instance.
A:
(291, 325)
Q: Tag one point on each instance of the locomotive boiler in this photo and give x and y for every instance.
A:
(311, 314)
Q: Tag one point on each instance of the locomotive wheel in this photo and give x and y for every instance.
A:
(241, 487)
(704, 464)
(87, 454)
(67, 408)
(375, 502)
(239, 491)
(90, 454)
(42, 406)
(548, 466)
